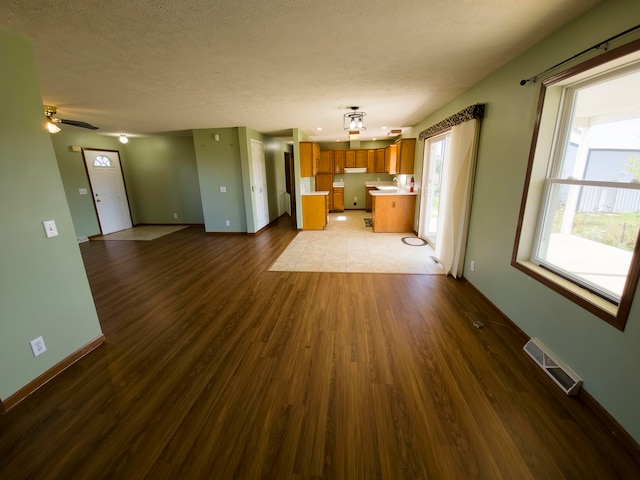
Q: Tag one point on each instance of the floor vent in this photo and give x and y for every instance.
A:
(566, 379)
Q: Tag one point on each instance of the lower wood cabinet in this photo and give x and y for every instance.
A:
(338, 199)
(369, 199)
(393, 213)
(315, 210)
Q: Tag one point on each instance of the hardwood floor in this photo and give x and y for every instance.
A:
(216, 368)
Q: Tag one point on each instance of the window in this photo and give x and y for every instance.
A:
(102, 161)
(580, 217)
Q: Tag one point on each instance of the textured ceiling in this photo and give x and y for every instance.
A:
(151, 66)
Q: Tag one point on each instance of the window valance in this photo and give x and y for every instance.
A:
(469, 113)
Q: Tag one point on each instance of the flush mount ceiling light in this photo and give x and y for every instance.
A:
(353, 120)
(123, 138)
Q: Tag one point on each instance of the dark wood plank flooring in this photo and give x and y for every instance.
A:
(216, 368)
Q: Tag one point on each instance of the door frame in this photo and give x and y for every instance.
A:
(254, 194)
(124, 183)
(425, 198)
(290, 179)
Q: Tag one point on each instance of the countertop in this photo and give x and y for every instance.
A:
(316, 193)
(402, 191)
(387, 183)
(390, 188)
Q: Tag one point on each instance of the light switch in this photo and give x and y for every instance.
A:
(223, 189)
(83, 191)
(50, 228)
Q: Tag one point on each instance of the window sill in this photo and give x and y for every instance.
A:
(598, 306)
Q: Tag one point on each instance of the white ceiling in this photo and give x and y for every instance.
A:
(157, 66)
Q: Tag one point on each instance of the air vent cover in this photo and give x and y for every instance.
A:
(562, 375)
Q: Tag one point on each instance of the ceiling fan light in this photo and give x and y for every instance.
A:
(123, 138)
(52, 127)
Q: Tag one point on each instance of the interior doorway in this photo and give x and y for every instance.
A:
(108, 190)
(290, 184)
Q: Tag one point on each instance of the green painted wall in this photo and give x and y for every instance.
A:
(219, 164)
(162, 179)
(608, 360)
(302, 184)
(43, 285)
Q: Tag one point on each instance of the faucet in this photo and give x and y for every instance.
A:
(395, 179)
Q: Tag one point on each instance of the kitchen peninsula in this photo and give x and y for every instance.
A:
(393, 208)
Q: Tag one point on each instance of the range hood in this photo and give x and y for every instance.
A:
(355, 170)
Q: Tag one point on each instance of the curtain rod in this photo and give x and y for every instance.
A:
(595, 47)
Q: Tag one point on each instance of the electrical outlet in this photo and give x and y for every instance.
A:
(227, 223)
(175, 215)
(50, 228)
(37, 346)
(472, 265)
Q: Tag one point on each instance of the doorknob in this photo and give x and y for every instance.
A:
(98, 200)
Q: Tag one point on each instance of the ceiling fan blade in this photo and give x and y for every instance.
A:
(77, 123)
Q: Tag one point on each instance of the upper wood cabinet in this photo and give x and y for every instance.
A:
(309, 157)
(371, 161)
(325, 165)
(379, 161)
(350, 158)
(405, 154)
(338, 161)
(361, 158)
(390, 159)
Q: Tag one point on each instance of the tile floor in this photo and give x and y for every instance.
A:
(346, 245)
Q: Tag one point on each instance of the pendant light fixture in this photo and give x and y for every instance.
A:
(353, 120)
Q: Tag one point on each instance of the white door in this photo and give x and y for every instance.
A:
(107, 186)
(435, 156)
(259, 186)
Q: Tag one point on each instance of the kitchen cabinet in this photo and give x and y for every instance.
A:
(361, 158)
(405, 154)
(309, 157)
(369, 199)
(350, 158)
(338, 199)
(393, 213)
(324, 183)
(379, 161)
(390, 159)
(325, 163)
(371, 161)
(314, 211)
(338, 161)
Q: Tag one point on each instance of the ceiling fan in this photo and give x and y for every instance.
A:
(52, 121)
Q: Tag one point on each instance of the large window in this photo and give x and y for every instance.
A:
(580, 216)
